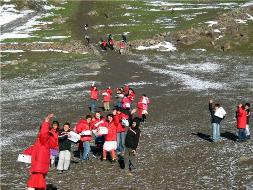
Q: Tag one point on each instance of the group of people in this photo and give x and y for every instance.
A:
(242, 118)
(119, 141)
(110, 43)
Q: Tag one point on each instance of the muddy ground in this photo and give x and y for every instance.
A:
(174, 151)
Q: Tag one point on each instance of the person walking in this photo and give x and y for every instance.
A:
(131, 144)
(93, 97)
(107, 94)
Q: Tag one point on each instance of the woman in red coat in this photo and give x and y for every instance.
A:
(143, 107)
(110, 144)
(40, 153)
(241, 122)
(93, 97)
(107, 98)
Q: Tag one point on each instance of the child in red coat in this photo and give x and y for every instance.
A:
(40, 153)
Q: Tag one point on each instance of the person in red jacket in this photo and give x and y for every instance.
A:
(241, 122)
(107, 98)
(122, 47)
(98, 121)
(126, 89)
(110, 144)
(131, 94)
(126, 105)
(142, 106)
(93, 97)
(40, 156)
(84, 129)
(55, 133)
(121, 130)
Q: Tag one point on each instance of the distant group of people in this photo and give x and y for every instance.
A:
(110, 43)
(242, 118)
(118, 141)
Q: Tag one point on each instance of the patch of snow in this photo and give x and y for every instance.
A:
(38, 42)
(166, 46)
(51, 7)
(219, 37)
(127, 14)
(98, 26)
(247, 4)
(12, 51)
(57, 37)
(217, 30)
(211, 23)
(52, 50)
(240, 21)
(117, 25)
(249, 17)
(199, 49)
(141, 83)
(8, 13)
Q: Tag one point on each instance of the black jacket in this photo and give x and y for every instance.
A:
(214, 119)
(132, 138)
(64, 142)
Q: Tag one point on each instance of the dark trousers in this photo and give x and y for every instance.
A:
(129, 159)
(242, 134)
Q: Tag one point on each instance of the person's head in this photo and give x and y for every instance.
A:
(135, 123)
(88, 118)
(110, 117)
(118, 110)
(108, 87)
(55, 125)
(216, 106)
(144, 95)
(66, 126)
(130, 90)
(247, 106)
(97, 114)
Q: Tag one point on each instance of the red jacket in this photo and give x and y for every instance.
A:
(104, 43)
(82, 125)
(112, 132)
(118, 119)
(94, 93)
(126, 89)
(111, 42)
(107, 98)
(55, 135)
(241, 118)
(40, 150)
(131, 96)
(122, 45)
(126, 103)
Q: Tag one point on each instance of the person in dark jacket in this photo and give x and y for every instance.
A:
(215, 121)
(64, 148)
(131, 143)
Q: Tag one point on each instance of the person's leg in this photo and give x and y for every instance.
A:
(113, 154)
(244, 134)
(123, 137)
(104, 154)
(247, 131)
(126, 159)
(132, 160)
(61, 161)
(118, 143)
(86, 150)
(240, 135)
(67, 160)
(218, 131)
(214, 138)
(108, 106)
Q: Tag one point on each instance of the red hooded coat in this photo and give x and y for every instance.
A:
(241, 118)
